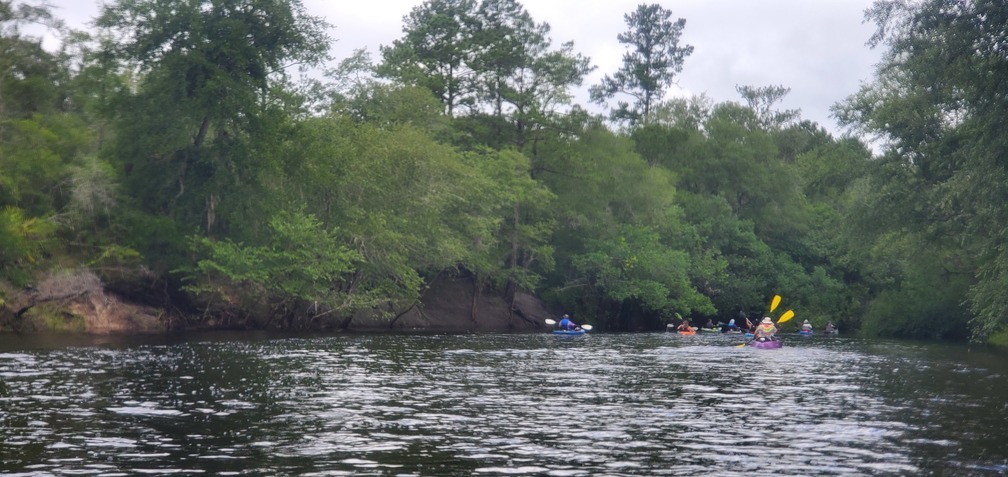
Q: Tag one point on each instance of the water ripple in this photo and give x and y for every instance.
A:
(636, 404)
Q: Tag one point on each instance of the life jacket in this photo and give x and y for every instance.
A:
(764, 330)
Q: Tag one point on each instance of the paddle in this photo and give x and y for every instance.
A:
(553, 322)
(775, 302)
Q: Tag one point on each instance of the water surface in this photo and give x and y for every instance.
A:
(603, 404)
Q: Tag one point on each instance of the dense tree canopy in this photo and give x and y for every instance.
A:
(173, 142)
(937, 103)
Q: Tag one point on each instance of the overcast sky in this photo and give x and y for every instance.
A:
(815, 47)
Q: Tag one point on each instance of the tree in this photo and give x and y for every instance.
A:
(762, 99)
(649, 68)
(303, 262)
(206, 94)
(522, 79)
(435, 51)
(621, 245)
(936, 104)
(41, 143)
(29, 75)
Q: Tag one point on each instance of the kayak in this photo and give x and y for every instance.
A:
(773, 344)
(710, 330)
(569, 332)
(805, 333)
(687, 333)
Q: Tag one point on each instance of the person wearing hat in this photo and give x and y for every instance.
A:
(807, 327)
(766, 330)
(566, 323)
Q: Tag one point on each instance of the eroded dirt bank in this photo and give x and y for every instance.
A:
(83, 302)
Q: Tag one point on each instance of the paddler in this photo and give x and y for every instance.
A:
(566, 323)
(766, 330)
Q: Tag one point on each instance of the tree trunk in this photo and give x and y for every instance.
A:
(475, 296)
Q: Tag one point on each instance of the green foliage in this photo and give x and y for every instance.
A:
(999, 338)
(382, 105)
(489, 59)
(93, 191)
(942, 177)
(30, 77)
(521, 78)
(432, 54)
(734, 267)
(620, 243)
(30, 168)
(303, 261)
(649, 67)
(761, 101)
(635, 265)
(528, 224)
(177, 142)
(22, 242)
(411, 206)
(35, 158)
(923, 307)
(193, 130)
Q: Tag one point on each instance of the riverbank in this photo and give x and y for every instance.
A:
(81, 302)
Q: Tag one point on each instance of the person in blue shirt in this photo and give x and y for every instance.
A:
(566, 323)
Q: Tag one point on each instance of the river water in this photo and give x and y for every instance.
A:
(498, 404)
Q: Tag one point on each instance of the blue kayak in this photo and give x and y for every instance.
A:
(569, 332)
(805, 333)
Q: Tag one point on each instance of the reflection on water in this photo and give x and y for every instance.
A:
(631, 404)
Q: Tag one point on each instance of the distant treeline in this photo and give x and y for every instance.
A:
(177, 139)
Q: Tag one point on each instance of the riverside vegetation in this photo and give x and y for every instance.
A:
(170, 168)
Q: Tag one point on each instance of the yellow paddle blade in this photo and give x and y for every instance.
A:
(775, 302)
(741, 345)
(786, 316)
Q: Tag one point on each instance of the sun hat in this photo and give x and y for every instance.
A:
(767, 319)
